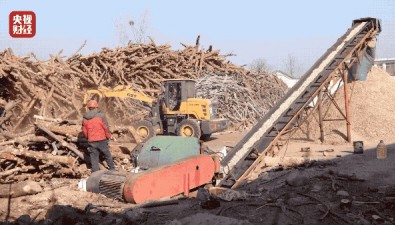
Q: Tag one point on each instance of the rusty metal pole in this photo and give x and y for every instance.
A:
(346, 104)
(320, 119)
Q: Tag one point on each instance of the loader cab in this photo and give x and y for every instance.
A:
(178, 91)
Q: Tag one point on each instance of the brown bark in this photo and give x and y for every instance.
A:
(20, 189)
(65, 160)
(61, 141)
(15, 170)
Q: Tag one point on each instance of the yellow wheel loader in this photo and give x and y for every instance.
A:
(178, 112)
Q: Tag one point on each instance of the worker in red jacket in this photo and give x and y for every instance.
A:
(96, 130)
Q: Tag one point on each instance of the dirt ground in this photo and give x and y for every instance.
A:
(302, 188)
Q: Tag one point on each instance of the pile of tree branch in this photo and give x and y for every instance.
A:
(41, 101)
(51, 148)
(241, 99)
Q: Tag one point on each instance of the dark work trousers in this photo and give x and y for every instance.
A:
(97, 147)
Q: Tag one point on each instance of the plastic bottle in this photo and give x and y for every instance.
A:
(381, 150)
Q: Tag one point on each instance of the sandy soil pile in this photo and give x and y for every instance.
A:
(372, 106)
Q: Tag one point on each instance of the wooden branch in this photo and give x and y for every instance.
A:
(29, 107)
(24, 140)
(20, 189)
(3, 119)
(15, 170)
(2, 102)
(44, 105)
(78, 50)
(58, 120)
(10, 135)
(61, 141)
(65, 160)
(65, 130)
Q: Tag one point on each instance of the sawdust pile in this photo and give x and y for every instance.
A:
(372, 107)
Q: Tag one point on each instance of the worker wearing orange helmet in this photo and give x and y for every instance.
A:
(96, 130)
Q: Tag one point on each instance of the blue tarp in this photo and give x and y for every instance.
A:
(360, 69)
(162, 150)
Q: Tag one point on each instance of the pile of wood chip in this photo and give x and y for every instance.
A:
(41, 104)
(371, 113)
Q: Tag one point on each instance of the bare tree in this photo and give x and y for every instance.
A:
(292, 66)
(259, 65)
(131, 30)
(139, 28)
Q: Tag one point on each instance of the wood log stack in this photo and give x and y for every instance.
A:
(241, 99)
(41, 101)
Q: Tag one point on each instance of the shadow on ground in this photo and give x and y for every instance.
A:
(353, 189)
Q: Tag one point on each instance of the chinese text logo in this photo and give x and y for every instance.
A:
(22, 24)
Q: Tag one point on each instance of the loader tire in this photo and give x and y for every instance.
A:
(145, 129)
(189, 128)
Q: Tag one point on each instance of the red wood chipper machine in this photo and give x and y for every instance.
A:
(166, 165)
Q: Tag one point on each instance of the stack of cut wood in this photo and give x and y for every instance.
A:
(52, 148)
(41, 101)
(241, 99)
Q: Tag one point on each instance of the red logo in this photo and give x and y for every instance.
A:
(22, 24)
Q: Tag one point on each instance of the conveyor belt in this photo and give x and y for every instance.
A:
(265, 134)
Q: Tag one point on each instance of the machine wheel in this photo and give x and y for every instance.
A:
(189, 128)
(205, 137)
(145, 129)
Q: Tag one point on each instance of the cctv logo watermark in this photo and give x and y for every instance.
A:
(22, 24)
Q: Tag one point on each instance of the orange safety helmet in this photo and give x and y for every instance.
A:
(93, 104)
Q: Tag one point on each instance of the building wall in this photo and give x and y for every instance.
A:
(387, 65)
